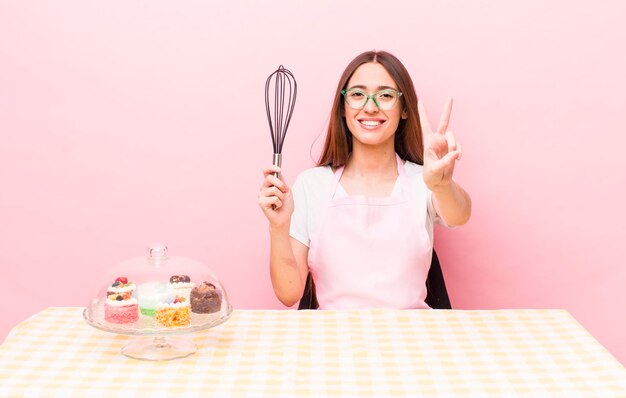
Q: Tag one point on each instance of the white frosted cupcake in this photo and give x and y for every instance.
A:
(150, 294)
(182, 285)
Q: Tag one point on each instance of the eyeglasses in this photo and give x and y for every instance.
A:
(384, 99)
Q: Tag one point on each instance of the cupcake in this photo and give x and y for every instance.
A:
(173, 311)
(205, 299)
(120, 306)
(181, 285)
(149, 295)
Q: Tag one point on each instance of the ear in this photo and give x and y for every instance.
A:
(404, 114)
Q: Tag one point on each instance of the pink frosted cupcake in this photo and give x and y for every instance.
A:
(120, 306)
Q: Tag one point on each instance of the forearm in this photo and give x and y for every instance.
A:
(284, 271)
(453, 204)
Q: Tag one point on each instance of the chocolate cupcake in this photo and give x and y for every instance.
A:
(205, 299)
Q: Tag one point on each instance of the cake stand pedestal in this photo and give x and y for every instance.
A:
(159, 348)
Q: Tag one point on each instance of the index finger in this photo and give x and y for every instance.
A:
(445, 117)
(423, 118)
(271, 181)
(271, 170)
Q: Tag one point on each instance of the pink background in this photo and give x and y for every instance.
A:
(126, 123)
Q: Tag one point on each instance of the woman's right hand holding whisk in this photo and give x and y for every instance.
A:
(275, 199)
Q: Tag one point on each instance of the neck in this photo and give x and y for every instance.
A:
(368, 161)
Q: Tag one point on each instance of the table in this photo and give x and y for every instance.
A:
(283, 353)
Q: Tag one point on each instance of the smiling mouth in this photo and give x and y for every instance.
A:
(371, 123)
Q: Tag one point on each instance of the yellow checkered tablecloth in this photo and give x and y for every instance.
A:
(373, 353)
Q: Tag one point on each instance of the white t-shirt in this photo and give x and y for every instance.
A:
(310, 193)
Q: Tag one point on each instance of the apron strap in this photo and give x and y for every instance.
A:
(335, 183)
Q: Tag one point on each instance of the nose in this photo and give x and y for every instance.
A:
(370, 106)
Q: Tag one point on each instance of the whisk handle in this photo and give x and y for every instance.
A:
(276, 162)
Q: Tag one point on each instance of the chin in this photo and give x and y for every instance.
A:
(372, 138)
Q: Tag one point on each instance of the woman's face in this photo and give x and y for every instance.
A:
(371, 125)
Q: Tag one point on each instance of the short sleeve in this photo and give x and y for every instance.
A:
(299, 229)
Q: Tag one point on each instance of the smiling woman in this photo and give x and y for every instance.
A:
(362, 221)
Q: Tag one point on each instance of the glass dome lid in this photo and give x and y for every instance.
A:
(158, 295)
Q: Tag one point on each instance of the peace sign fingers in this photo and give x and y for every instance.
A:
(441, 149)
(444, 121)
(445, 117)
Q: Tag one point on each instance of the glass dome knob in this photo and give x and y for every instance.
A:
(157, 253)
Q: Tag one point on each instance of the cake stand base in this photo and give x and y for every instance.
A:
(159, 349)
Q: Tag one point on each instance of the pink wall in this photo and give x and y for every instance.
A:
(126, 123)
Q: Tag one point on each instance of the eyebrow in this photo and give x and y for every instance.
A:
(379, 87)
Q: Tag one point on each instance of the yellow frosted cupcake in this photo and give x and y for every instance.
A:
(173, 311)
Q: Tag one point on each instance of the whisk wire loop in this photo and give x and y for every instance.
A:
(282, 92)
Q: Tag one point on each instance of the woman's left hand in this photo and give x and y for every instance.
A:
(441, 150)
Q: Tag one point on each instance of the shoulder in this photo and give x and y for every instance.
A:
(314, 176)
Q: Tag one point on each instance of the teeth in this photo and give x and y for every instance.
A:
(371, 122)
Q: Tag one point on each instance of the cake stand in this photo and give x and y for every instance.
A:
(156, 342)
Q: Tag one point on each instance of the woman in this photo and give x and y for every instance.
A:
(362, 221)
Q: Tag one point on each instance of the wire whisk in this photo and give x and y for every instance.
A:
(281, 90)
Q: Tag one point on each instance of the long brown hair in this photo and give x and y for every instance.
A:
(408, 138)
